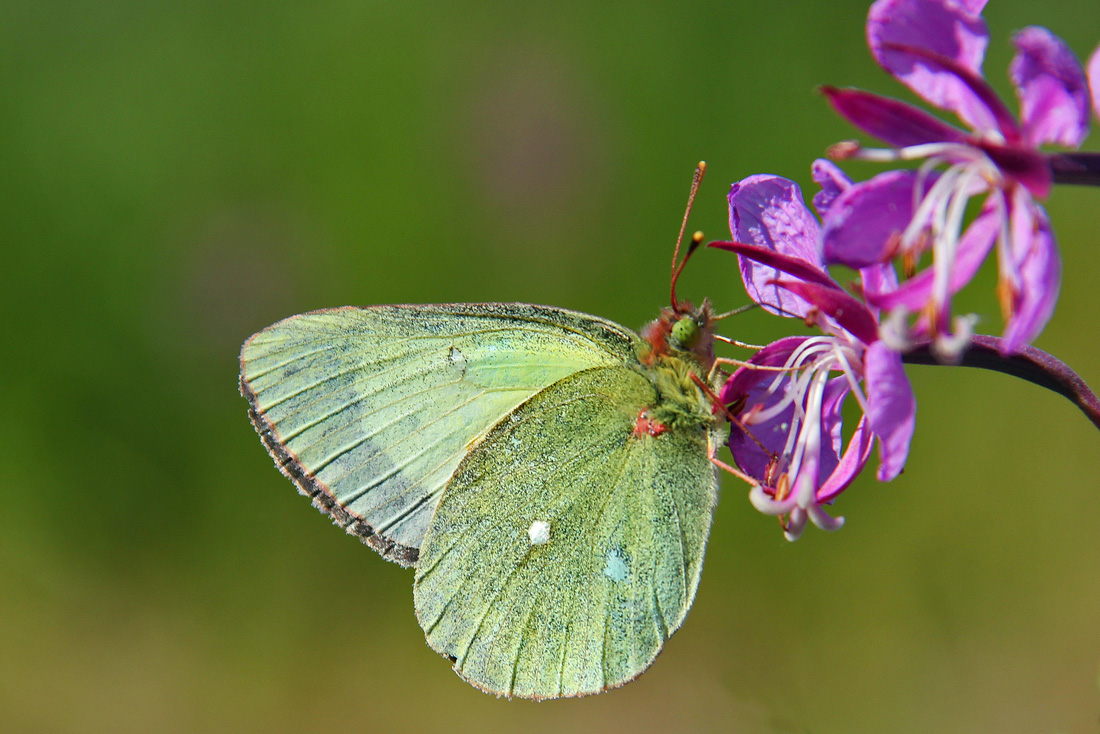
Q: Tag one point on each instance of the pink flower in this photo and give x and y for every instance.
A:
(936, 48)
(1094, 79)
(788, 401)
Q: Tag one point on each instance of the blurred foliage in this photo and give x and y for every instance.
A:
(180, 175)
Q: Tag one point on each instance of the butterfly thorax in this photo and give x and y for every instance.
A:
(679, 351)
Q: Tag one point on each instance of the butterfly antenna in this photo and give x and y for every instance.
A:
(771, 308)
(734, 312)
(696, 239)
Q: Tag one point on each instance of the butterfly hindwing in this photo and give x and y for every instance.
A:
(370, 410)
(628, 514)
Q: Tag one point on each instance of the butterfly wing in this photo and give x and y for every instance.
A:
(370, 410)
(588, 605)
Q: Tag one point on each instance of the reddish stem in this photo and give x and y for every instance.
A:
(1029, 363)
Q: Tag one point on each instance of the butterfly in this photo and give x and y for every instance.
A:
(548, 474)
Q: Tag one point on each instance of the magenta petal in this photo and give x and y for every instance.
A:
(1038, 270)
(832, 418)
(1094, 79)
(848, 311)
(890, 120)
(832, 181)
(851, 464)
(891, 407)
(863, 222)
(795, 266)
(768, 211)
(747, 454)
(945, 28)
(974, 246)
(877, 280)
(1054, 96)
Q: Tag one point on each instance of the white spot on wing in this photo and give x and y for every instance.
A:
(539, 532)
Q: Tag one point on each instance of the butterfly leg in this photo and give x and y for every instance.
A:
(732, 470)
(718, 361)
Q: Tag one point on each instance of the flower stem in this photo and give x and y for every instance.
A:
(1031, 364)
(1080, 169)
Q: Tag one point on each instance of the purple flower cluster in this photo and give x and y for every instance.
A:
(788, 398)
(787, 402)
(936, 47)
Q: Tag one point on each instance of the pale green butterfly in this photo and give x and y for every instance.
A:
(548, 473)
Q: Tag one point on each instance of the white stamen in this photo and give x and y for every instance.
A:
(947, 245)
(852, 377)
(894, 330)
(796, 523)
(928, 212)
(949, 347)
(824, 520)
(795, 388)
(1005, 246)
(943, 151)
(803, 394)
(808, 446)
(765, 503)
(806, 350)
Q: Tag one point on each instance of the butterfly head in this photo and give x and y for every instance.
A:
(682, 332)
(686, 332)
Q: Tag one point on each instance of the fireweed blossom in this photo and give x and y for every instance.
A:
(788, 401)
(1094, 79)
(936, 48)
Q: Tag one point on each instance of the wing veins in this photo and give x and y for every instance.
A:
(485, 614)
(492, 641)
(360, 491)
(326, 348)
(519, 647)
(354, 368)
(380, 409)
(406, 437)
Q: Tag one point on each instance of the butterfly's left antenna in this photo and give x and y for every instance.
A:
(696, 239)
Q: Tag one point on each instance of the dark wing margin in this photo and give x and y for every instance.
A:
(322, 499)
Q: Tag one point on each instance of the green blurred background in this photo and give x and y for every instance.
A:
(177, 176)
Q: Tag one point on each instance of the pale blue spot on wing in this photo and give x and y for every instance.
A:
(617, 567)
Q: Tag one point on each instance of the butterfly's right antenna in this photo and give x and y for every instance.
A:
(696, 239)
(736, 311)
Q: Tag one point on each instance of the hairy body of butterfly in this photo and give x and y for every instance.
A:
(547, 473)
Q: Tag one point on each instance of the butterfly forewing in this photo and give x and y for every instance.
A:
(370, 410)
(589, 606)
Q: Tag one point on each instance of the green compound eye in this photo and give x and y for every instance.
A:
(686, 332)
